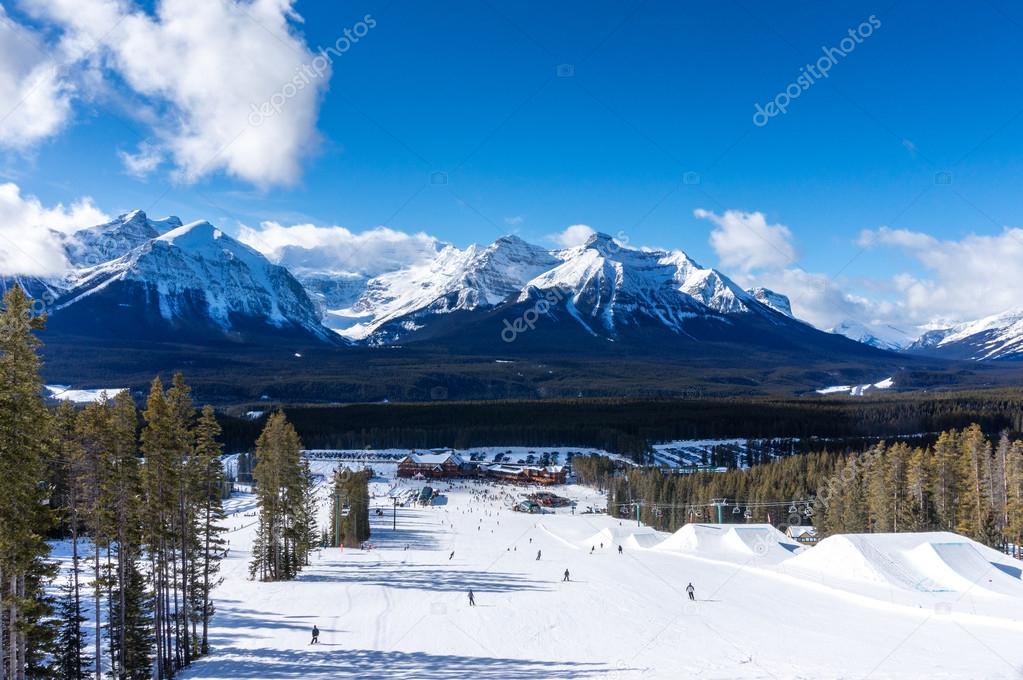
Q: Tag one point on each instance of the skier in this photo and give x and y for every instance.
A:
(472, 598)
(691, 591)
(619, 550)
(537, 555)
(566, 576)
(451, 555)
(316, 636)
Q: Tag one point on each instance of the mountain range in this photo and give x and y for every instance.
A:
(143, 278)
(160, 282)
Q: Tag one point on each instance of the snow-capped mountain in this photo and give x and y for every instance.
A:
(456, 280)
(999, 336)
(192, 280)
(776, 301)
(104, 242)
(882, 336)
(598, 294)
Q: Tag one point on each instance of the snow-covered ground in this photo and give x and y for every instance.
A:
(65, 393)
(858, 390)
(910, 606)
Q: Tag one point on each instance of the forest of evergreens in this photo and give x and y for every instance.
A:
(630, 426)
(135, 499)
(965, 482)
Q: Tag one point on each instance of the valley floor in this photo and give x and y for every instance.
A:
(400, 609)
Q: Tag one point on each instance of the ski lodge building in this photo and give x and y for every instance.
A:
(432, 465)
(450, 465)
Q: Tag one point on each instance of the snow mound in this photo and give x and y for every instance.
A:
(635, 537)
(731, 541)
(760, 539)
(926, 561)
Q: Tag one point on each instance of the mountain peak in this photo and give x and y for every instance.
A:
(776, 301)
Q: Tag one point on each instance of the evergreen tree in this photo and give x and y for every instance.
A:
(72, 661)
(25, 446)
(210, 518)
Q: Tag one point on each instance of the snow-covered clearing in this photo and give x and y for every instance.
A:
(65, 393)
(764, 607)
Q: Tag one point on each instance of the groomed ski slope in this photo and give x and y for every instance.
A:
(761, 612)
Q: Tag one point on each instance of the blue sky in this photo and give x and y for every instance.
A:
(646, 92)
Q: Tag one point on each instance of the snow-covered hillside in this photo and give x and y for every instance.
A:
(881, 336)
(999, 336)
(196, 274)
(603, 284)
(456, 279)
(910, 606)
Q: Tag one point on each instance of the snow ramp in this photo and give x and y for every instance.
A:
(691, 537)
(761, 540)
(634, 537)
(937, 561)
(731, 542)
(960, 566)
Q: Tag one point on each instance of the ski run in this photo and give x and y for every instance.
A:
(931, 605)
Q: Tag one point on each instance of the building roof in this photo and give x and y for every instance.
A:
(796, 532)
(433, 458)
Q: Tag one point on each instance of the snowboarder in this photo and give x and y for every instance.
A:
(619, 550)
(537, 555)
(451, 555)
(472, 598)
(566, 576)
(316, 636)
(691, 591)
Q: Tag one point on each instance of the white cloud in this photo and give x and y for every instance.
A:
(35, 100)
(745, 241)
(310, 248)
(204, 67)
(575, 235)
(966, 279)
(144, 161)
(27, 245)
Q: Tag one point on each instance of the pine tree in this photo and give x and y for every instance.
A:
(282, 540)
(975, 484)
(25, 445)
(210, 518)
(72, 661)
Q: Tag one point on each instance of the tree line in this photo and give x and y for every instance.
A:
(138, 502)
(964, 481)
(630, 426)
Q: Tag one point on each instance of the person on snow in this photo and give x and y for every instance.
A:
(566, 576)
(451, 555)
(316, 636)
(592, 548)
(619, 550)
(472, 598)
(691, 591)
(537, 555)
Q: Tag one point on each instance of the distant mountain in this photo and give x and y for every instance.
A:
(598, 297)
(881, 336)
(401, 302)
(776, 301)
(995, 337)
(95, 245)
(191, 283)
